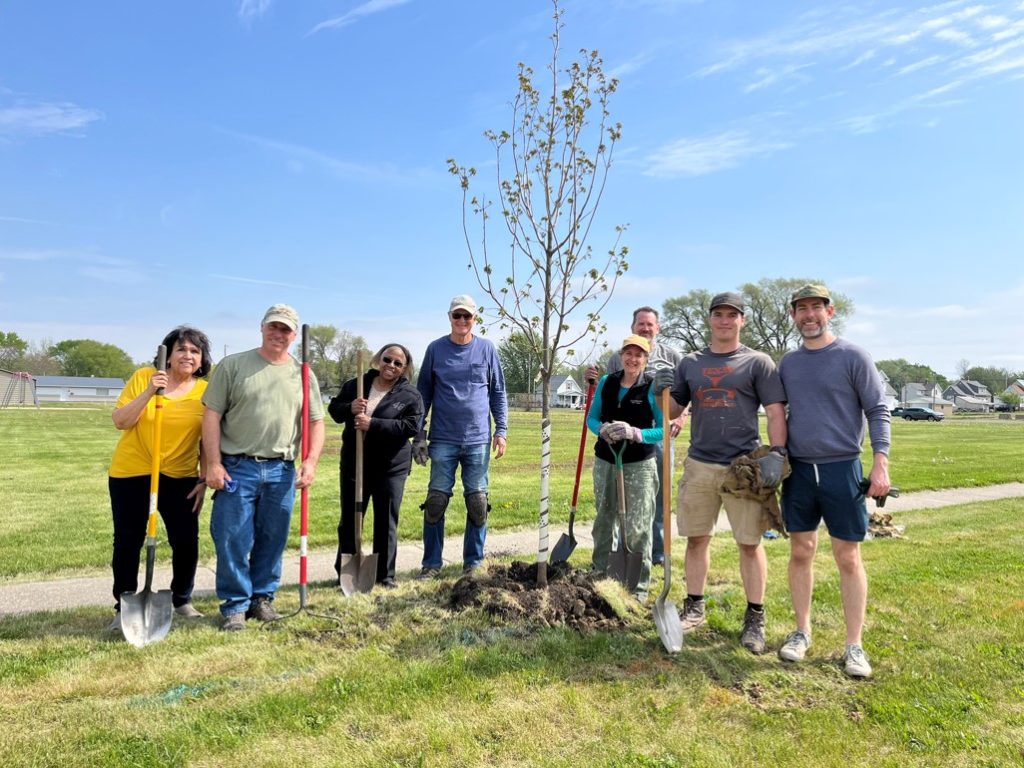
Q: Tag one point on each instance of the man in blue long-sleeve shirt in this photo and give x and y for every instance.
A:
(832, 386)
(463, 389)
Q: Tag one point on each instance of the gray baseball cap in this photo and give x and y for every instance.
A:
(729, 299)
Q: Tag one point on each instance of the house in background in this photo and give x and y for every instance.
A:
(1015, 388)
(969, 395)
(78, 389)
(565, 392)
(925, 396)
(892, 398)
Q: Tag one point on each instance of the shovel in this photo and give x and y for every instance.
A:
(624, 565)
(666, 617)
(567, 543)
(358, 571)
(146, 615)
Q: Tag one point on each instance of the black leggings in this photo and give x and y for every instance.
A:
(129, 502)
(384, 491)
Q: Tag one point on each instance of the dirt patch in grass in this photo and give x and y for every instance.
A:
(510, 594)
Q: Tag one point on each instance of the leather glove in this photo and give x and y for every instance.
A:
(419, 448)
(663, 379)
(771, 468)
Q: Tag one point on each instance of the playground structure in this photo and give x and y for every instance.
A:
(19, 388)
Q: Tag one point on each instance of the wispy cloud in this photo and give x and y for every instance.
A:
(46, 118)
(695, 157)
(359, 12)
(23, 220)
(915, 66)
(300, 158)
(254, 281)
(251, 10)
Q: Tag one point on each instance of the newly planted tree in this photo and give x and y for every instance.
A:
(547, 284)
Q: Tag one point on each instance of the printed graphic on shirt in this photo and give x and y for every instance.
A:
(716, 396)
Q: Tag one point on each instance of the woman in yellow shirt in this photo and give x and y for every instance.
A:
(182, 489)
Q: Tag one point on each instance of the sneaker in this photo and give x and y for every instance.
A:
(261, 610)
(795, 646)
(388, 583)
(115, 624)
(856, 661)
(233, 622)
(187, 611)
(429, 573)
(692, 615)
(752, 637)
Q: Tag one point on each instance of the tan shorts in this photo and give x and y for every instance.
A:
(701, 498)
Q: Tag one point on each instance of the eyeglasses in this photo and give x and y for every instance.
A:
(391, 361)
(461, 315)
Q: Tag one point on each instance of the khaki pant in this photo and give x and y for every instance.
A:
(641, 482)
(701, 499)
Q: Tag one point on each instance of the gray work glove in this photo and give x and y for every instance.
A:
(609, 432)
(419, 448)
(664, 378)
(771, 468)
(620, 430)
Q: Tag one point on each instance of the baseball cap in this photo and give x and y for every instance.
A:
(729, 299)
(634, 340)
(462, 301)
(282, 313)
(810, 291)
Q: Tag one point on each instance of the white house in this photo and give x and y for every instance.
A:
(926, 396)
(78, 389)
(565, 392)
(891, 396)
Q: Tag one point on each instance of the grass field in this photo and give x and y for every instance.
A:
(55, 513)
(408, 683)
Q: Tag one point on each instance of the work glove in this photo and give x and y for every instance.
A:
(865, 486)
(609, 432)
(771, 468)
(620, 430)
(634, 434)
(664, 378)
(419, 448)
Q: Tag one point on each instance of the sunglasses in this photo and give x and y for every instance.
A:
(392, 361)
(461, 315)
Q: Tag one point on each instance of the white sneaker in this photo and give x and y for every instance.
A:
(794, 648)
(856, 661)
(188, 611)
(115, 624)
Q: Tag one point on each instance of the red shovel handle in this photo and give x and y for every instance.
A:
(583, 444)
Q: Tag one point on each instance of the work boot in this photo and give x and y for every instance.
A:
(856, 662)
(795, 646)
(115, 624)
(429, 573)
(187, 611)
(261, 610)
(233, 622)
(752, 637)
(692, 615)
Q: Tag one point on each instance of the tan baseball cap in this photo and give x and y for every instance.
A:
(634, 340)
(462, 301)
(282, 313)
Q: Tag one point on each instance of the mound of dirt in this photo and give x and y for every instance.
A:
(510, 593)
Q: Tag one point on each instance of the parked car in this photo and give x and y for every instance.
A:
(1003, 407)
(918, 414)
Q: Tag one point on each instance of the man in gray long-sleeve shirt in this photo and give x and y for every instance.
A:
(832, 386)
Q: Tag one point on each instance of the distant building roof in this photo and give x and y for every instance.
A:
(78, 381)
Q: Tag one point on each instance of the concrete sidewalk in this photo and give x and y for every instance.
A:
(27, 597)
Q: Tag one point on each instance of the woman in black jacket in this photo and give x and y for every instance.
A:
(389, 414)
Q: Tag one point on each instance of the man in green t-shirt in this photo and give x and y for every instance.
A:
(252, 436)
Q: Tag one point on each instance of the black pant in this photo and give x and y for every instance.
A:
(385, 490)
(129, 502)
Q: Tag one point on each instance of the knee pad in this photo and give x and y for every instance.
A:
(477, 508)
(434, 507)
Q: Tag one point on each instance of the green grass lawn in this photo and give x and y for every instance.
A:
(55, 513)
(405, 682)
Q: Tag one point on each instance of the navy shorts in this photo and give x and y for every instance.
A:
(829, 492)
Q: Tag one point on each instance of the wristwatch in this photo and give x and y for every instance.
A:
(779, 449)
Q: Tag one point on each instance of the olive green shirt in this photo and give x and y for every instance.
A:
(261, 405)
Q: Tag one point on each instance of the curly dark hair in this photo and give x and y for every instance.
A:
(193, 336)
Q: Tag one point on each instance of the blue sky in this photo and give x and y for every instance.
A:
(196, 161)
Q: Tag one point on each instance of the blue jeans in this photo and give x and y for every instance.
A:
(444, 458)
(250, 530)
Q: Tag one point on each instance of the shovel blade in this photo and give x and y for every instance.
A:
(357, 573)
(146, 616)
(617, 566)
(634, 567)
(670, 629)
(563, 549)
